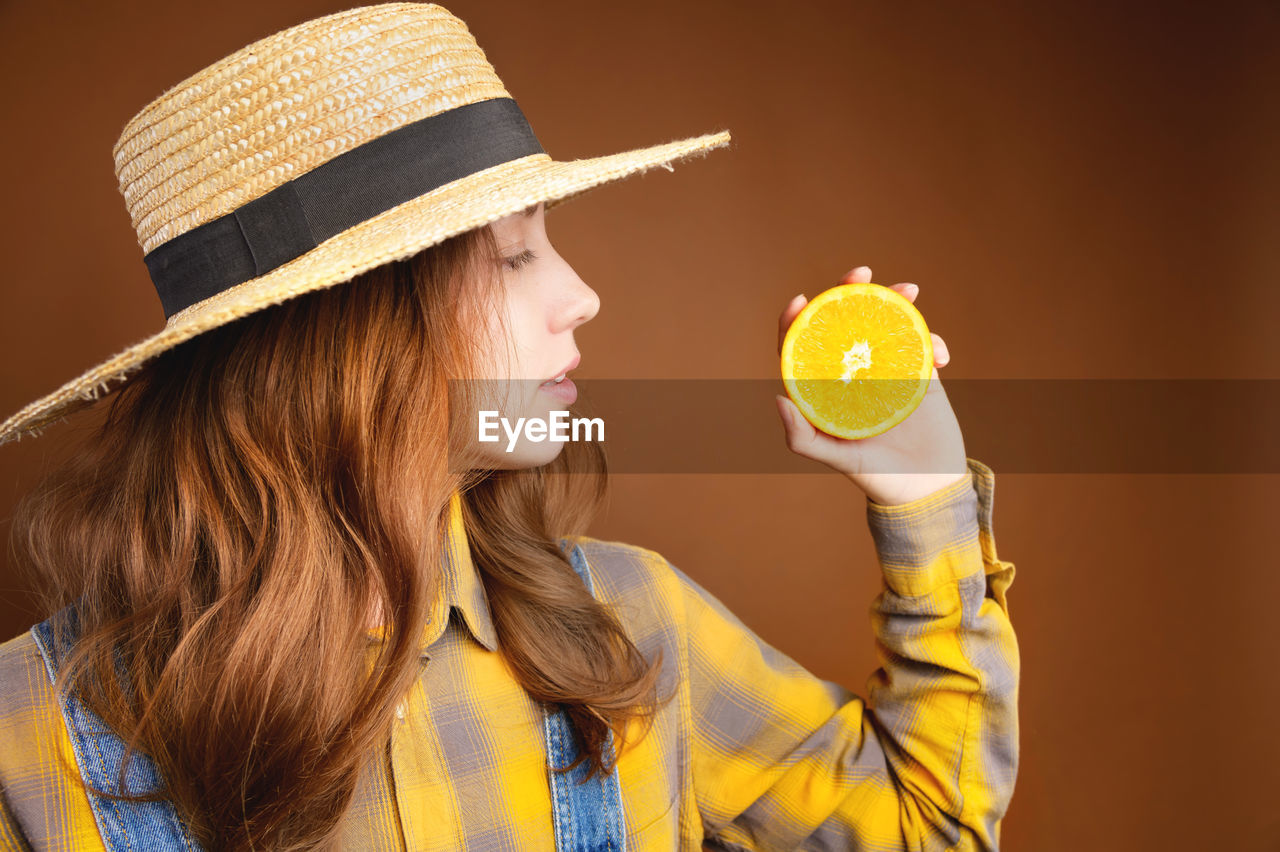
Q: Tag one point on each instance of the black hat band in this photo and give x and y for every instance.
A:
(353, 187)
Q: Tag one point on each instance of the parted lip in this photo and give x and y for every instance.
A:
(571, 365)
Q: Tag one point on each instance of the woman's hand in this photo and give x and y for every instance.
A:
(919, 456)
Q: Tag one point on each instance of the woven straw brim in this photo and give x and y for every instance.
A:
(398, 233)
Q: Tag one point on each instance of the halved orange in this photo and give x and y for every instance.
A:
(857, 360)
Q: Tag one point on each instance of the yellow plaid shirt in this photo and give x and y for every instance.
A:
(754, 752)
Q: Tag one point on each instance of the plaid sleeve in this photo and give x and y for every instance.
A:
(784, 760)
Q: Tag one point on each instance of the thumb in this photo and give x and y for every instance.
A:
(805, 439)
(801, 434)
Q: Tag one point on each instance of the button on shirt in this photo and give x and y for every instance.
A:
(753, 752)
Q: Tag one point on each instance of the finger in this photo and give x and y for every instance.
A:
(907, 290)
(941, 355)
(859, 274)
(935, 383)
(789, 314)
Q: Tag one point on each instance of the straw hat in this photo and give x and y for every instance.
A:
(312, 155)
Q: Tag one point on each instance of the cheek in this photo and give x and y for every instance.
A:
(497, 343)
(524, 322)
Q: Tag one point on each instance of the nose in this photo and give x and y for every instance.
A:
(580, 303)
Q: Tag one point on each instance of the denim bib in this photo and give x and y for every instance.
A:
(587, 813)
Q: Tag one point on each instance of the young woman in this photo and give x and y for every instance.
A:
(295, 603)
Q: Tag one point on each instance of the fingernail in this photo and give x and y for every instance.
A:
(797, 297)
(912, 289)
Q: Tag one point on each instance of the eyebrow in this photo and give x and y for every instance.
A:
(529, 211)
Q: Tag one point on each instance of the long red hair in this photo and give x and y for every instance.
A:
(255, 493)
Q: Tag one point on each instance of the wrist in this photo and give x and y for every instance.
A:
(901, 489)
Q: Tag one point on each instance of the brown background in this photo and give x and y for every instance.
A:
(1080, 190)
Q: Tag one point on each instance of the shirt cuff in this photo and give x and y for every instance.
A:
(938, 538)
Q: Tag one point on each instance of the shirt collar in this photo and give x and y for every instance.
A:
(460, 586)
(460, 589)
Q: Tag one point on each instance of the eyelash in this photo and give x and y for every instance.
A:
(524, 257)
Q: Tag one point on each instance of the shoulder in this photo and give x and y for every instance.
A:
(22, 672)
(28, 714)
(43, 799)
(17, 647)
(622, 568)
(643, 587)
(26, 698)
(44, 802)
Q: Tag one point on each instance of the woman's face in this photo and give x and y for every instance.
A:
(543, 300)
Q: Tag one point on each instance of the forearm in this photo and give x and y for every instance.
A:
(944, 702)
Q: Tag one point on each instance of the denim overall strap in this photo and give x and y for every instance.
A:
(587, 813)
(125, 826)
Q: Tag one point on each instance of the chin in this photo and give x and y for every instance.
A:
(525, 454)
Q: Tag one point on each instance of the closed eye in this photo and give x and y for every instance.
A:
(525, 257)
